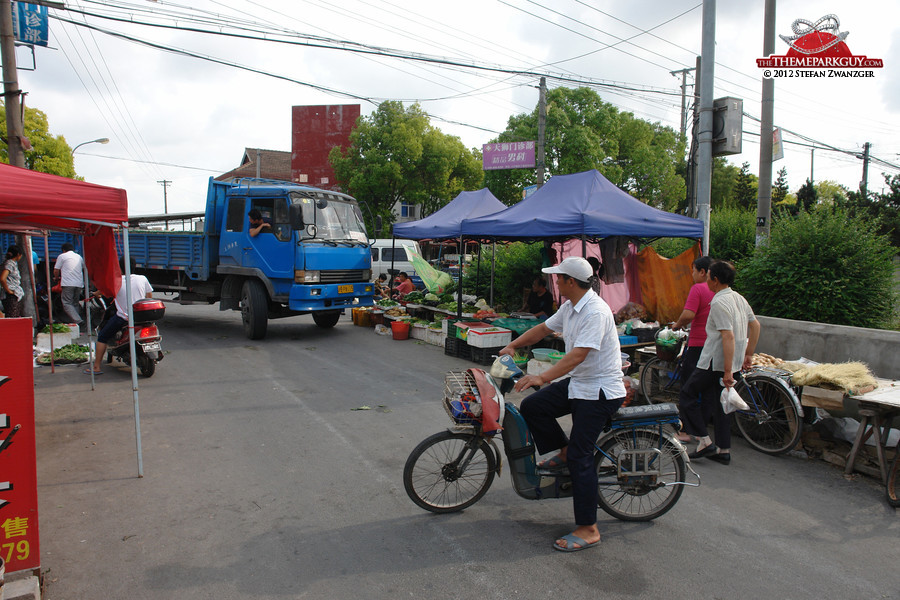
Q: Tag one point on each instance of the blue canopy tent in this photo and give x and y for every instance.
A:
(445, 223)
(585, 205)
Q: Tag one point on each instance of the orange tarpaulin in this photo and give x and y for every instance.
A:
(665, 282)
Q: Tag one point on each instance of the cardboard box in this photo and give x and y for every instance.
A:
(822, 398)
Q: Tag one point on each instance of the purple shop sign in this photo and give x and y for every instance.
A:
(508, 155)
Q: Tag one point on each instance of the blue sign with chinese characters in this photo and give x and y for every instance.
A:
(30, 23)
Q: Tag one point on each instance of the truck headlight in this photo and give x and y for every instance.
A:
(367, 274)
(301, 276)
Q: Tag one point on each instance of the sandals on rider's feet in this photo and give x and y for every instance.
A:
(555, 462)
(88, 372)
(572, 539)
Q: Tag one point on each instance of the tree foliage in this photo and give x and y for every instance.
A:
(395, 155)
(583, 132)
(49, 153)
(745, 188)
(824, 266)
(517, 264)
(807, 196)
(732, 233)
(780, 188)
(883, 209)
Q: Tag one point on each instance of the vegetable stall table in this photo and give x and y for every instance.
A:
(877, 410)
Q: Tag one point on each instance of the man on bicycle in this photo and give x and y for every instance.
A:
(592, 393)
(732, 331)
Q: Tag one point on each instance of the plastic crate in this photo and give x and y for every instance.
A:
(489, 337)
(484, 356)
(456, 347)
(448, 328)
(463, 327)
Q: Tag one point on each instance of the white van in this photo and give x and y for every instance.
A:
(385, 250)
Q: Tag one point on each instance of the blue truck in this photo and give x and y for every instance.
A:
(313, 258)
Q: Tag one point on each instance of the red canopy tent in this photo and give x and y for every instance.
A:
(33, 202)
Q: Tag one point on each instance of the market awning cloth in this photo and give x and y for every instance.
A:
(665, 282)
(436, 281)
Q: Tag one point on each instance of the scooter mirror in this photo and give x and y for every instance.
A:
(506, 368)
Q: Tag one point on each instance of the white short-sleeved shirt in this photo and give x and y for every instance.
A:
(140, 287)
(590, 324)
(728, 311)
(69, 265)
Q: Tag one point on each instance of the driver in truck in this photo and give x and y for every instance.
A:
(257, 223)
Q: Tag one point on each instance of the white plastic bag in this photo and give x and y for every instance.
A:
(383, 330)
(732, 401)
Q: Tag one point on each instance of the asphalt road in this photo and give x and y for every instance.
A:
(262, 480)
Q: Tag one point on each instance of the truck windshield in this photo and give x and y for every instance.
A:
(340, 221)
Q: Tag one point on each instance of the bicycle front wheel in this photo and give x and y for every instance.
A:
(449, 471)
(772, 425)
(648, 483)
(660, 381)
(892, 485)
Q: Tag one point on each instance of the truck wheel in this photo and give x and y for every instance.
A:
(326, 319)
(254, 309)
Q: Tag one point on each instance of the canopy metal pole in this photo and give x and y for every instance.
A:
(459, 287)
(477, 268)
(134, 383)
(493, 267)
(87, 307)
(49, 300)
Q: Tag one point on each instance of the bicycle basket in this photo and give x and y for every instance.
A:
(460, 399)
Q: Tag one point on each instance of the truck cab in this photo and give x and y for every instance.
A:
(313, 257)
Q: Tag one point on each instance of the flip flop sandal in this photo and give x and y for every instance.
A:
(88, 372)
(552, 463)
(572, 539)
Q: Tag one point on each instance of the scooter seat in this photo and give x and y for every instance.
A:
(652, 411)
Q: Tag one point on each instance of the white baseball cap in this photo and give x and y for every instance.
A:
(573, 266)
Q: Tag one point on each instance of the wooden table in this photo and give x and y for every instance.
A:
(877, 410)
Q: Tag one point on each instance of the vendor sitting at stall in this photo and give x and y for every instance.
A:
(540, 300)
(404, 286)
(380, 287)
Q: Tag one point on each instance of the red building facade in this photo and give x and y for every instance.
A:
(315, 130)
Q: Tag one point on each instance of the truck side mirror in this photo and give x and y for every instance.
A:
(295, 214)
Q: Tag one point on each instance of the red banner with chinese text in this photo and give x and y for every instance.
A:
(19, 539)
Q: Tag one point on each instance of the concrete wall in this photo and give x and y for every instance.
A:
(822, 342)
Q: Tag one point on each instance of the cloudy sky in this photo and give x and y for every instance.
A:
(182, 118)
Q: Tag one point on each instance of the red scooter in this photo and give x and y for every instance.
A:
(147, 337)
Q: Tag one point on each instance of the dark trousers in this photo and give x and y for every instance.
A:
(704, 383)
(541, 410)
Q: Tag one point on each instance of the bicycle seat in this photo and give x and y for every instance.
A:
(652, 411)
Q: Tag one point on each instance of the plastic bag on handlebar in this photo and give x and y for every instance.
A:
(732, 401)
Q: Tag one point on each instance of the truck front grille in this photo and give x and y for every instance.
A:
(341, 276)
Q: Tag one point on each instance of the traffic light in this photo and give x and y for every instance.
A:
(728, 117)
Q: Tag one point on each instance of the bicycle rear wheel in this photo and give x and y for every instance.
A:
(772, 425)
(892, 485)
(645, 493)
(659, 381)
(449, 471)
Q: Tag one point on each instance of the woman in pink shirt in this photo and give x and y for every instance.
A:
(695, 313)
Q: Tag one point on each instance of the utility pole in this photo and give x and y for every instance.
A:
(764, 191)
(165, 183)
(542, 125)
(15, 134)
(864, 184)
(705, 138)
(684, 73)
(812, 157)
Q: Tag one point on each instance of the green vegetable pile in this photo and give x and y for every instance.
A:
(57, 328)
(386, 302)
(70, 353)
(415, 297)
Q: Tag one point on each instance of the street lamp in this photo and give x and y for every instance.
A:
(97, 141)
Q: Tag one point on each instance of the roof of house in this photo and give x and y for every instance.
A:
(273, 164)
